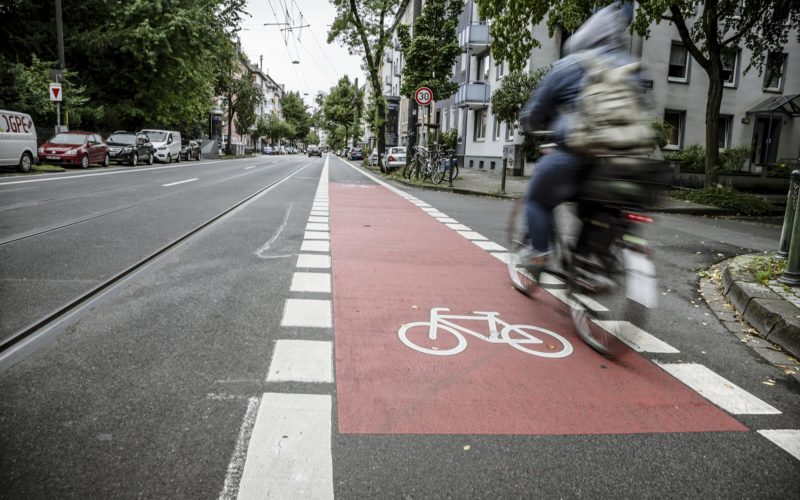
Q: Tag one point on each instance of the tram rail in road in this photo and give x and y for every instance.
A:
(28, 339)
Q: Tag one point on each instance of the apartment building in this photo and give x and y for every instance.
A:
(759, 111)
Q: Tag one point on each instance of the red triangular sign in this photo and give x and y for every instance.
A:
(56, 90)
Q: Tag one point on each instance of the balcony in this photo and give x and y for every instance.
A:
(473, 95)
(477, 38)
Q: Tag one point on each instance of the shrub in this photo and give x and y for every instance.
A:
(733, 159)
(727, 198)
(692, 158)
(779, 170)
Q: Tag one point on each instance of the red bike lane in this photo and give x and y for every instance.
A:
(393, 263)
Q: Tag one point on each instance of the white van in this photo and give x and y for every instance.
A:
(17, 140)
(166, 144)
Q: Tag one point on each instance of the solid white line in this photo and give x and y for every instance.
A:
(636, 338)
(311, 282)
(307, 312)
(788, 439)
(179, 182)
(236, 465)
(289, 455)
(312, 261)
(718, 390)
(315, 246)
(301, 361)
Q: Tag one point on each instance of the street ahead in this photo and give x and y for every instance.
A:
(281, 349)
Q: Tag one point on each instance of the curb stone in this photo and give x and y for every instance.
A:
(775, 321)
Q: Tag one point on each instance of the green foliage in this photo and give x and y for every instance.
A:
(242, 96)
(26, 90)
(311, 138)
(513, 92)
(692, 158)
(780, 170)
(432, 50)
(339, 110)
(661, 129)
(295, 113)
(733, 159)
(766, 269)
(449, 139)
(727, 198)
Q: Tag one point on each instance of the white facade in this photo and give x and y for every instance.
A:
(680, 100)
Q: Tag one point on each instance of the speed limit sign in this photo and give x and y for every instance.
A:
(423, 96)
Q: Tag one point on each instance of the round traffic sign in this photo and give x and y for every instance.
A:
(423, 96)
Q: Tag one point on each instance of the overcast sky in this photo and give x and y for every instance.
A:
(320, 65)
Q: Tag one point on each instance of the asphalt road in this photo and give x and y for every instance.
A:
(160, 389)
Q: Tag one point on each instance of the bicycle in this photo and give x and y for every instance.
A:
(428, 336)
(605, 268)
(416, 166)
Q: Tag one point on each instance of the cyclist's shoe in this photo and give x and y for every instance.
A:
(533, 261)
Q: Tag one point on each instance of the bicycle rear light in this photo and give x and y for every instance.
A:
(637, 218)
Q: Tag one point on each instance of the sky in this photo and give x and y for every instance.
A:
(320, 65)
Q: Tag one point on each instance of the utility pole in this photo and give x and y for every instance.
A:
(355, 112)
(61, 64)
(411, 128)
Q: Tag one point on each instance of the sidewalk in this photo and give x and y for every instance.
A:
(773, 312)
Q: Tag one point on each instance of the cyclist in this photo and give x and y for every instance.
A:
(558, 174)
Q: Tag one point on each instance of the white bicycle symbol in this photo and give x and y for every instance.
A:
(441, 337)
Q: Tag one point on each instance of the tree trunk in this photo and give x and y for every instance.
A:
(712, 123)
(230, 125)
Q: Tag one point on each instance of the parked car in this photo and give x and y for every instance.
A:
(189, 150)
(355, 154)
(17, 140)
(314, 151)
(395, 158)
(75, 148)
(167, 144)
(130, 148)
(373, 158)
(266, 150)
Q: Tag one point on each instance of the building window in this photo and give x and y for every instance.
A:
(724, 131)
(776, 68)
(510, 132)
(480, 124)
(480, 68)
(500, 70)
(678, 63)
(675, 123)
(730, 66)
(496, 130)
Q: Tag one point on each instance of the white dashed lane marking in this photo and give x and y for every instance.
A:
(301, 361)
(787, 439)
(311, 282)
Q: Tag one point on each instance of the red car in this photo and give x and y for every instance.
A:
(75, 148)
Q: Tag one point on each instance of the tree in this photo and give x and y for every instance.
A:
(311, 138)
(338, 110)
(513, 92)
(720, 26)
(294, 112)
(242, 96)
(366, 28)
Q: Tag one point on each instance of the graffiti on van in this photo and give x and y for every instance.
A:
(15, 124)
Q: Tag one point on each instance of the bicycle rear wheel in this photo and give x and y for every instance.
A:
(437, 172)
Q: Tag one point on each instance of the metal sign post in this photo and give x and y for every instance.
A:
(56, 95)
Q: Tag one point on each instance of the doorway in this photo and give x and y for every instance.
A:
(764, 147)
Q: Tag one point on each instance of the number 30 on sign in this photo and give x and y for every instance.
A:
(423, 96)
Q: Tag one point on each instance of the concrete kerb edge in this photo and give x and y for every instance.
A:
(756, 304)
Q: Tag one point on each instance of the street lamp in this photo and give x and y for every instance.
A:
(214, 123)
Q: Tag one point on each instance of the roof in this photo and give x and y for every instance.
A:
(789, 104)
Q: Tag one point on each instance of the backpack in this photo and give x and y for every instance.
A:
(610, 117)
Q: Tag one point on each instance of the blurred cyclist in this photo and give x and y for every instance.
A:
(552, 106)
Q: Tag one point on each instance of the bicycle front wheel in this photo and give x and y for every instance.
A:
(445, 342)
(438, 172)
(516, 241)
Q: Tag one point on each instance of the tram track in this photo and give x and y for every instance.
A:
(16, 346)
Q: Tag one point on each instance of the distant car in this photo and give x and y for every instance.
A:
(395, 158)
(130, 148)
(75, 148)
(373, 158)
(314, 151)
(189, 150)
(356, 154)
(266, 150)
